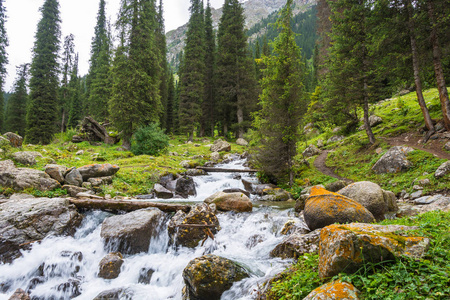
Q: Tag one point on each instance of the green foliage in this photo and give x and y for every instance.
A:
(150, 140)
(17, 104)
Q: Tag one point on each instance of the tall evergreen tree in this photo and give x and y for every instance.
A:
(17, 103)
(67, 60)
(192, 77)
(42, 112)
(282, 102)
(136, 70)
(3, 59)
(160, 36)
(99, 82)
(209, 103)
(76, 105)
(236, 79)
(170, 109)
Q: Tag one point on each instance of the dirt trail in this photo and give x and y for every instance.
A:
(415, 141)
(320, 165)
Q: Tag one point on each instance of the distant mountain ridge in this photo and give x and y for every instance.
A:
(254, 10)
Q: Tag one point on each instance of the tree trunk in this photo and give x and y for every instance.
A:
(439, 73)
(126, 143)
(120, 205)
(63, 120)
(417, 80)
(366, 101)
(240, 118)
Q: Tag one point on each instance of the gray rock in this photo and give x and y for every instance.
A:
(28, 220)
(183, 187)
(23, 178)
(96, 170)
(336, 185)
(393, 161)
(109, 266)
(186, 164)
(195, 172)
(236, 190)
(297, 244)
(241, 142)
(74, 190)
(215, 156)
(425, 181)
(443, 170)
(311, 150)
(98, 181)
(237, 202)
(320, 143)
(73, 177)
(26, 157)
(56, 172)
(220, 146)
(427, 199)
(373, 121)
(335, 138)
(131, 233)
(447, 146)
(115, 294)
(416, 194)
(275, 194)
(20, 196)
(14, 139)
(162, 192)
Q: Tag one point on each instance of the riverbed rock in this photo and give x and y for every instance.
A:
(109, 266)
(393, 161)
(186, 229)
(20, 294)
(195, 172)
(29, 220)
(237, 202)
(185, 187)
(443, 170)
(371, 196)
(14, 139)
(345, 248)
(241, 142)
(297, 244)
(131, 233)
(334, 290)
(97, 170)
(162, 192)
(26, 157)
(311, 150)
(220, 146)
(73, 177)
(294, 225)
(208, 276)
(275, 194)
(324, 208)
(56, 172)
(115, 294)
(23, 178)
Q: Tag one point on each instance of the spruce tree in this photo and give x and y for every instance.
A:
(17, 103)
(75, 101)
(160, 37)
(192, 77)
(282, 102)
(209, 103)
(136, 70)
(3, 60)
(42, 112)
(67, 60)
(170, 109)
(236, 79)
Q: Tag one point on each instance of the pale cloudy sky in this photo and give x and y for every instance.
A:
(79, 18)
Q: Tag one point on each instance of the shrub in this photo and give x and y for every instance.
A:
(150, 140)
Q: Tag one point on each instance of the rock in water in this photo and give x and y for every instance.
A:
(208, 276)
(20, 294)
(297, 244)
(237, 202)
(131, 233)
(323, 208)
(109, 267)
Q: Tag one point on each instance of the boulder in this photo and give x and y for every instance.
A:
(371, 196)
(184, 187)
(393, 161)
(188, 229)
(162, 192)
(373, 121)
(14, 139)
(115, 294)
(447, 146)
(215, 156)
(208, 276)
(131, 233)
(236, 190)
(334, 290)
(74, 190)
(336, 186)
(109, 266)
(97, 170)
(26, 157)
(24, 178)
(237, 202)
(73, 177)
(311, 150)
(241, 142)
(28, 220)
(263, 189)
(195, 172)
(323, 208)
(99, 181)
(297, 244)
(294, 225)
(345, 248)
(56, 172)
(20, 294)
(276, 194)
(220, 146)
(443, 170)
(335, 138)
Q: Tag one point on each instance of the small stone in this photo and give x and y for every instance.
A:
(425, 181)
(447, 146)
(417, 194)
(80, 152)
(417, 187)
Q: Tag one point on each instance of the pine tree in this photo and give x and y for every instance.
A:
(99, 82)
(192, 77)
(76, 105)
(170, 109)
(136, 70)
(282, 102)
(42, 112)
(236, 79)
(209, 103)
(67, 60)
(160, 36)
(17, 103)
(3, 59)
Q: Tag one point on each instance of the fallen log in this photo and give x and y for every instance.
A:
(210, 169)
(117, 205)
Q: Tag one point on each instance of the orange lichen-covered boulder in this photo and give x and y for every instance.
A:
(335, 290)
(324, 208)
(345, 248)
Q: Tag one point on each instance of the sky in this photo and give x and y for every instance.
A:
(79, 18)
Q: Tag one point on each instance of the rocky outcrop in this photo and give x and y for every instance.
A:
(220, 146)
(131, 233)
(297, 244)
(335, 290)
(28, 220)
(371, 196)
(393, 161)
(14, 139)
(237, 202)
(26, 157)
(324, 208)
(97, 170)
(208, 276)
(443, 170)
(345, 248)
(311, 151)
(188, 229)
(109, 266)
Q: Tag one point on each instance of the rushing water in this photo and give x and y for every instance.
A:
(61, 267)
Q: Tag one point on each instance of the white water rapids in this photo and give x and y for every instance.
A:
(58, 266)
